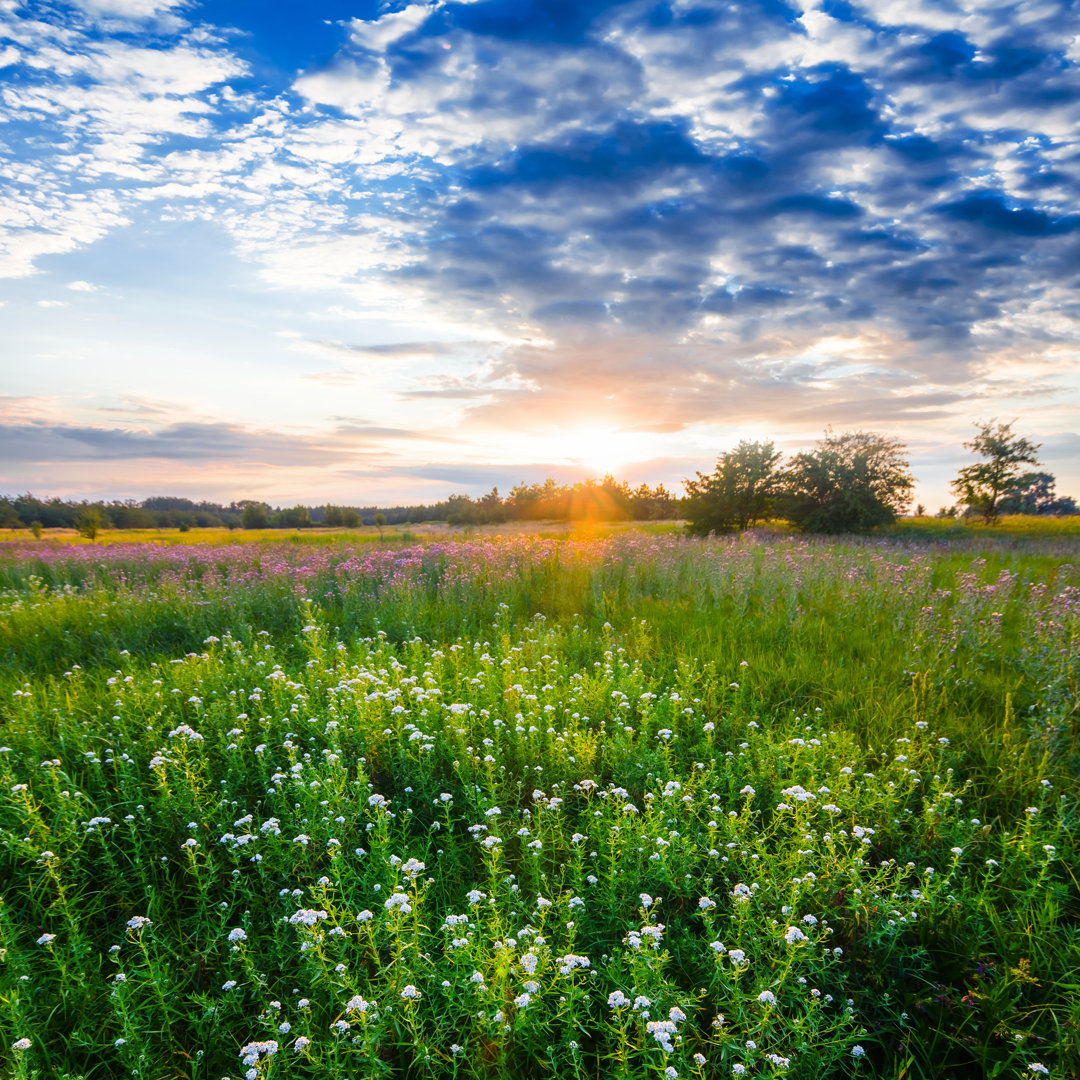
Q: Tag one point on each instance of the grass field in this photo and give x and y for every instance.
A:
(627, 806)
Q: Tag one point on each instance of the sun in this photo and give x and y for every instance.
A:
(600, 450)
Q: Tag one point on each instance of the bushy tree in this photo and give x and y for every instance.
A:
(738, 493)
(981, 486)
(254, 515)
(1035, 493)
(294, 517)
(848, 483)
(88, 522)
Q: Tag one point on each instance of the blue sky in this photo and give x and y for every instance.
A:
(377, 252)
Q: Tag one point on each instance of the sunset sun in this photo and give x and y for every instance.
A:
(601, 450)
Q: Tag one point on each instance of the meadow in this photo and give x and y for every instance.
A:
(625, 806)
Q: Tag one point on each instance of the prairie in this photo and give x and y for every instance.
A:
(619, 805)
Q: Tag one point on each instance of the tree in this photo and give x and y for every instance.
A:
(296, 517)
(350, 518)
(254, 516)
(88, 522)
(380, 523)
(982, 485)
(848, 483)
(1035, 493)
(738, 493)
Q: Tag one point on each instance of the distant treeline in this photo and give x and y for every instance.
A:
(598, 500)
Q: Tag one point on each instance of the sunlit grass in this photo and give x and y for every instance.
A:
(626, 806)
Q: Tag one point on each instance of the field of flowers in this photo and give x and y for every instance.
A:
(636, 807)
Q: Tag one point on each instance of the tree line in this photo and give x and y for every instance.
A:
(600, 500)
(847, 483)
(857, 480)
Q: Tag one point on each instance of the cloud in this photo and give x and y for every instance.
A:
(650, 213)
(188, 441)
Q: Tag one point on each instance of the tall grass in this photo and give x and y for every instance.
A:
(635, 807)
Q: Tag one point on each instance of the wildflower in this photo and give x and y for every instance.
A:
(705, 904)
(358, 1004)
(410, 993)
(767, 997)
(119, 1042)
(738, 1070)
(302, 1043)
(21, 1044)
(400, 902)
(228, 985)
(237, 934)
(46, 939)
(646, 900)
(671, 1073)
(522, 1000)
(190, 842)
(857, 1052)
(307, 916)
(616, 999)
(137, 922)
(793, 935)
(1038, 1068)
(455, 1048)
(477, 977)
(737, 956)
(661, 1031)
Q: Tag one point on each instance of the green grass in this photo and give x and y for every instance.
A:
(815, 801)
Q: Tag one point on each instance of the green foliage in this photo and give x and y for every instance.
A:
(88, 523)
(255, 516)
(738, 493)
(296, 517)
(1035, 493)
(816, 802)
(848, 483)
(982, 485)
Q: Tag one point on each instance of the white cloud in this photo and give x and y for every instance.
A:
(131, 9)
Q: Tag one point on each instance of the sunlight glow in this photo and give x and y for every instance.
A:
(601, 450)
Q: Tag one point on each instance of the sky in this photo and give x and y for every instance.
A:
(374, 253)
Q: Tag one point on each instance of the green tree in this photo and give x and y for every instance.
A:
(295, 517)
(380, 523)
(36, 528)
(350, 518)
(848, 483)
(254, 516)
(738, 493)
(88, 522)
(335, 516)
(981, 486)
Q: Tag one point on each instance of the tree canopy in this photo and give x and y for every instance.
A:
(848, 483)
(982, 485)
(738, 493)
